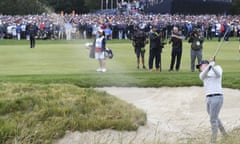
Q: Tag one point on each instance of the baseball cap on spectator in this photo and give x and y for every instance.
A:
(202, 62)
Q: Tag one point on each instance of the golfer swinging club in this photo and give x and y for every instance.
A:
(211, 76)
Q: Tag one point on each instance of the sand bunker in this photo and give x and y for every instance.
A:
(173, 114)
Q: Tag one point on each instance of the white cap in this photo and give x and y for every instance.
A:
(100, 30)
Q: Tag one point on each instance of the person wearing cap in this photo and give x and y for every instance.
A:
(100, 47)
(211, 75)
(32, 30)
(196, 41)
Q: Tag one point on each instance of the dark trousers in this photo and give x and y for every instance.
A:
(32, 42)
(176, 55)
(154, 54)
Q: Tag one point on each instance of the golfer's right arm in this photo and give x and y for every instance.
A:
(204, 73)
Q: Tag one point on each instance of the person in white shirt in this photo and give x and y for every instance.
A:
(211, 75)
(68, 29)
(100, 47)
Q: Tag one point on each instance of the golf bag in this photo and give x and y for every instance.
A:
(109, 53)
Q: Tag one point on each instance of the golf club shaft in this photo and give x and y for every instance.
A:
(220, 44)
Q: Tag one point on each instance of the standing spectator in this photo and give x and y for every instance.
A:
(32, 29)
(188, 30)
(14, 31)
(176, 40)
(42, 30)
(68, 29)
(238, 29)
(1, 30)
(9, 31)
(227, 31)
(139, 41)
(211, 76)
(120, 31)
(89, 30)
(74, 31)
(82, 30)
(100, 46)
(108, 32)
(47, 30)
(196, 41)
(23, 30)
(210, 31)
(61, 31)
(221, 30)
(27, 30)
(18, 30)
(155, 49)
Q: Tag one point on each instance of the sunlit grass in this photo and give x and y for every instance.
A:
(71, 57)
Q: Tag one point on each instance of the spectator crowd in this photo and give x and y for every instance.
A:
(83, 26)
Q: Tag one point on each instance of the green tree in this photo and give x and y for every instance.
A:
(235, 8)
(66, 6)
(92, 5)
(21, 7)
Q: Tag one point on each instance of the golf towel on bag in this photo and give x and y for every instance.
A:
(92, 51)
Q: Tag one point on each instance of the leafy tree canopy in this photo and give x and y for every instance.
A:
(23, 7)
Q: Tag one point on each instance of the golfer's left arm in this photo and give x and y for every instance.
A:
(216, 69)
(204, 73)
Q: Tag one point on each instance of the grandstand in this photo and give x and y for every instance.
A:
(190, 7)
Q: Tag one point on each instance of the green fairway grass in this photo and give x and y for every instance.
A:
(68, 61)
(48, 90)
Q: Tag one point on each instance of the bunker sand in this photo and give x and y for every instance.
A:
(173, 114)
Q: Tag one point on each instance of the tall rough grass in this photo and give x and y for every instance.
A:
(37, 113)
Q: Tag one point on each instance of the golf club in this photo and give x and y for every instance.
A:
(220, 44)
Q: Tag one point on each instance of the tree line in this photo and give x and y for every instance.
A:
(24, 7)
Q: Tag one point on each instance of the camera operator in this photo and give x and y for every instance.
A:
(196, 41)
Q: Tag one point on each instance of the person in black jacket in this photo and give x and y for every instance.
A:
(32, 29)
(176, 41)
(139, 41)
(155, 49)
